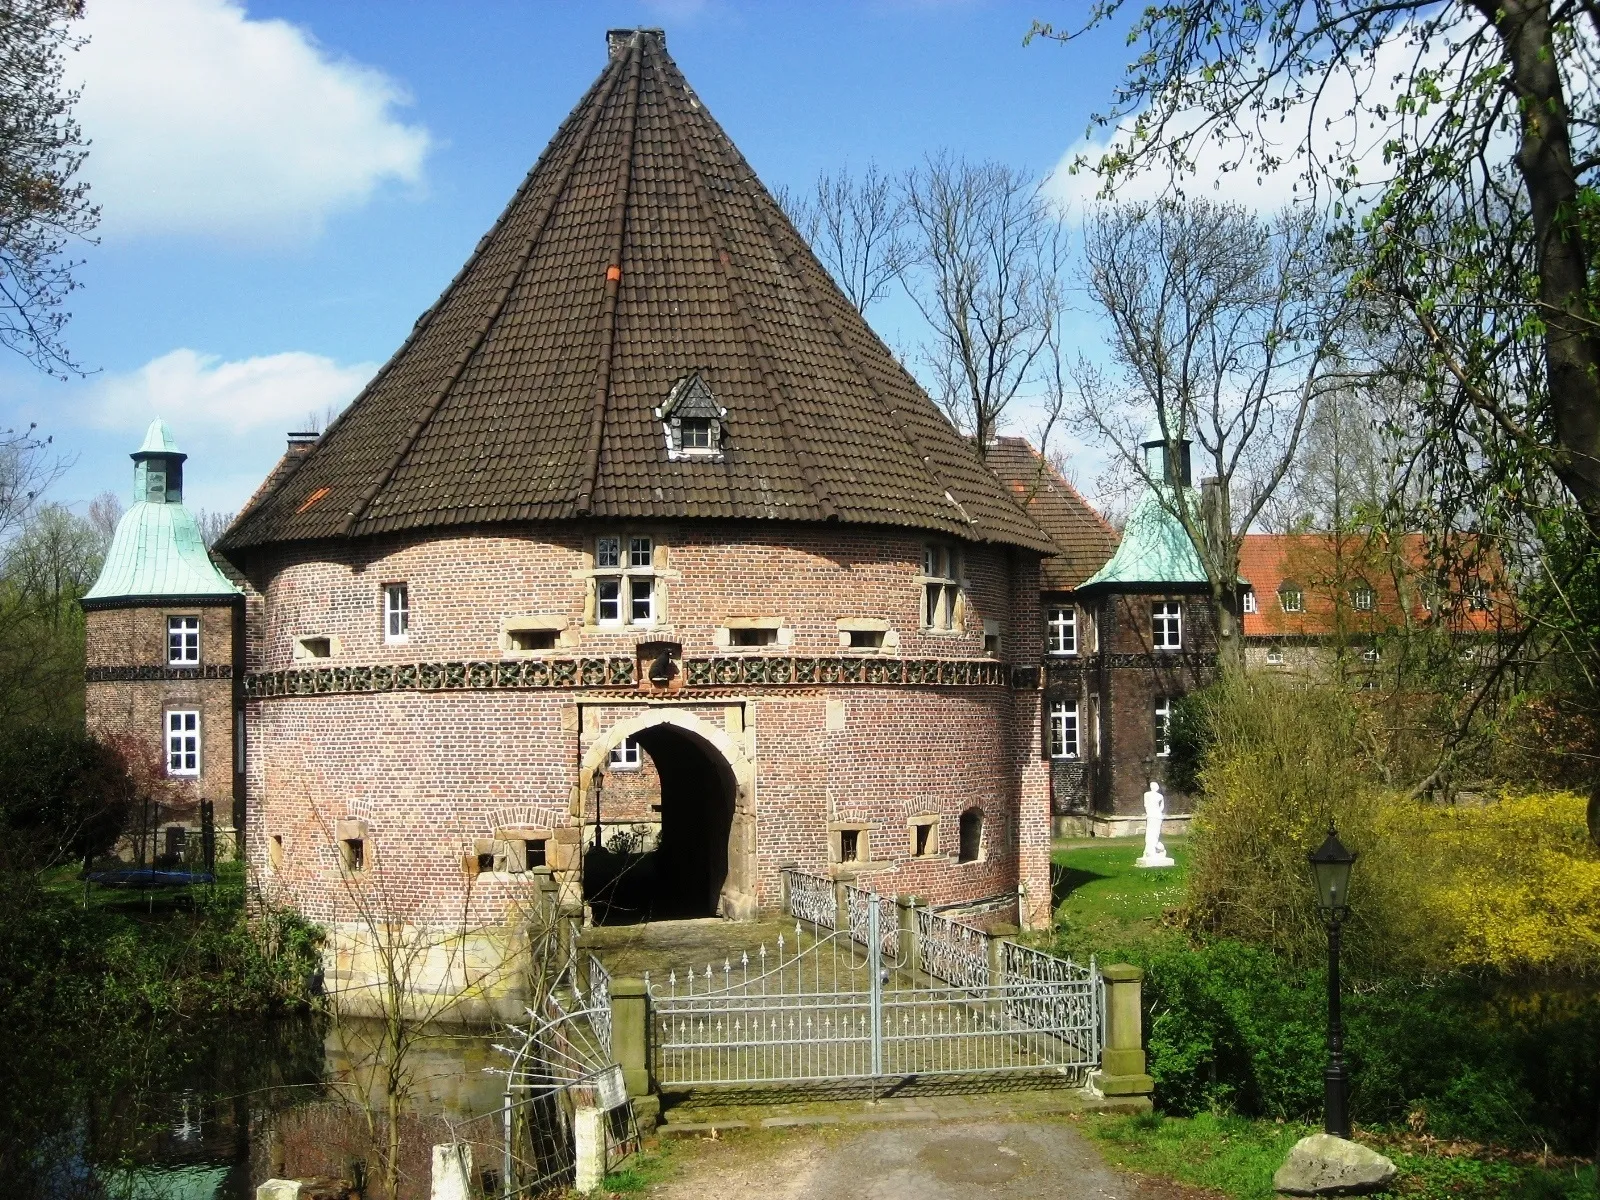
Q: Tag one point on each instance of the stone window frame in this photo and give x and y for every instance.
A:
(941, 604)
(888, 638)
(534, 623)
(930, 841)
(354, 844)
(506, 853)
(396, 616)
(837, 842)
(627, 572)
(1166, 625)
(992, 639)
(304, 646)
(1066, 731)
(980, 852)
(725, 635)
(1061, 629)
(184, 642)
(183, 732)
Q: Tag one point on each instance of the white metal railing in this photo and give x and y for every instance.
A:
(599, 1002)
(951, 951)
(811, 898)
(862, 904)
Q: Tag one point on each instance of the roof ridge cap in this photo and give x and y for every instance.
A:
(431, 407)
(719, 240)
(608, 308)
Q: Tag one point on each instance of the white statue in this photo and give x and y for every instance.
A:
(1155, 809)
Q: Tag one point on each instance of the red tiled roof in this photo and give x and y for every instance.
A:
(641, 248)
(1083, 539)
(1321, 566)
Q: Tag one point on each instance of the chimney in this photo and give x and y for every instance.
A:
(301, 443)
(617, 39)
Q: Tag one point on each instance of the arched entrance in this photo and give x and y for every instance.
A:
(693, 869)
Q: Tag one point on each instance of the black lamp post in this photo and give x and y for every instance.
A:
(1330, 866)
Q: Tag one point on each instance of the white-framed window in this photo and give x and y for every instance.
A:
(1163, 728)
(1064, 731)
(1363, 598)
(183, 641)
(1275, 656)
(941, 586)
(1166, 625)
(183, 741)
(1061, 629)
(1291, 598)
(396, 613)
(1370, 654)
(625, 755)
(625, 584)
(1478, 598)
(1250, 602)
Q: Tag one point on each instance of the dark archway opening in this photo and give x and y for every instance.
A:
(682, 874)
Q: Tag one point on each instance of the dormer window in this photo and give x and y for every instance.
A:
(692, 420)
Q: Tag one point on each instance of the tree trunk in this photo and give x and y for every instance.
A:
(1221, 561)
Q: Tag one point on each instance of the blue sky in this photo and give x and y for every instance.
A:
(287, 185)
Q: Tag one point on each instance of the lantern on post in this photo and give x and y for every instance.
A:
(1330, 868)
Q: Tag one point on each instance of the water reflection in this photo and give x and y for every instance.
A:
(215, 1110)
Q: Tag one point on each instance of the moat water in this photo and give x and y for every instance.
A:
(222, 1107)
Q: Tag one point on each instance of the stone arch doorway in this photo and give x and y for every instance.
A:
(699, 865)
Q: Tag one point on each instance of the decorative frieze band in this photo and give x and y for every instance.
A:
(618, 671)
(157, 674)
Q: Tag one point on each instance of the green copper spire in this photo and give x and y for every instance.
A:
(1155, 548)
(157, 551)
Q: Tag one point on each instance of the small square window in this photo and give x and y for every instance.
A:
(625, 755)
(696, 433)
(639, 552)
(767, 636)
(183, 641)
(850, 845)
(315, 647)
(608, 552)
(1370, 655)
(1166, 625)
(925, 837)
(485, 861)
(1275, 656)
(1061, 630)
(183, 742)
(396, 613)
(526, 640)
(533, 853)
(865, 639)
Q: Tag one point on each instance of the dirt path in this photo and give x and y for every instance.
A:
(921, 1160)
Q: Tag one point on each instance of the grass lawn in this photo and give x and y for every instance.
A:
(1237, 1157)
(1103, 900)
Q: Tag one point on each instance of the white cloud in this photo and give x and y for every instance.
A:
(201, 396)
(205, 121)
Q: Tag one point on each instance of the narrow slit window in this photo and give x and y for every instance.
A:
(533, 853)
(396, 613)
(925, 838)
(866, 639)
(353, 851)
(1163, 728)
(526, 640)
(761, 636)
(849, 845)
(971, 848)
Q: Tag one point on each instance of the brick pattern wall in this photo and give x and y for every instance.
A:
(137, 637)
(431, 773)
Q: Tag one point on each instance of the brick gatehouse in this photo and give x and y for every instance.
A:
(644, 568)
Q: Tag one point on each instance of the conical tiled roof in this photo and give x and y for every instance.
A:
(640, 250)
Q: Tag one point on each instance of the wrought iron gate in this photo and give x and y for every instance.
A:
(849, 1003)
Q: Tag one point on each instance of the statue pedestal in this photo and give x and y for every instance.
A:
(1155, 860)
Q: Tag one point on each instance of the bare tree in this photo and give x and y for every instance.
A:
(856, 227)
(1221, 331)
(984, 271)
(42, 207)
(28, 466)
(212, 525)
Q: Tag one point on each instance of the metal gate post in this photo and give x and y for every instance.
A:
(875, 968)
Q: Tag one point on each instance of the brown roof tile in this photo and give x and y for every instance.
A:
(1081, 535)
(640, 248)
